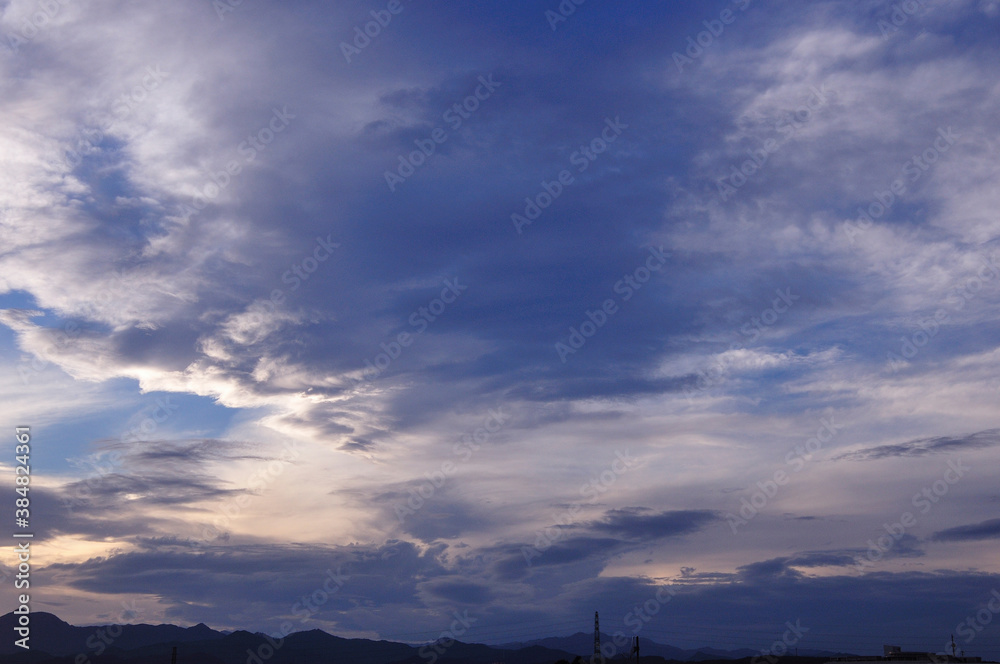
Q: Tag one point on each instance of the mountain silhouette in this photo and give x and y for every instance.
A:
(54, 636)
(54, 641)
(582, 644)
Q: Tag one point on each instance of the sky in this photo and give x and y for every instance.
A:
(357, 315)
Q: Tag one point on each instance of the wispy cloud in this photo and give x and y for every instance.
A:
(926, 446)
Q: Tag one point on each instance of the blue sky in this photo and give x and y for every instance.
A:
(510, 314)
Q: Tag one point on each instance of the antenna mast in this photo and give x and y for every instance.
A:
(597, 639)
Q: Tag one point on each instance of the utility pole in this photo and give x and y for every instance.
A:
(597, 639)
(635, 649)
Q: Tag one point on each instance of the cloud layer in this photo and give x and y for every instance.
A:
(507, 314)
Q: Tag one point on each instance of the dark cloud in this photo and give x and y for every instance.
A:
(823, 558)
(925, 446)
(642, 524)
(776, 568)
(461, 592)
(989, 529)
(203, 582)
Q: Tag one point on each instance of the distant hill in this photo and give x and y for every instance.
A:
(56, 637)
(54, 641)
(704, 654)
(582, 644)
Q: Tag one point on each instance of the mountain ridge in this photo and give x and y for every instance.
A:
(54, 641)
(582, 644)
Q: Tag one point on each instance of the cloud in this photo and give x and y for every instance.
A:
(188, 261)
(641, 524)
(926, 446)
(989, 529)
